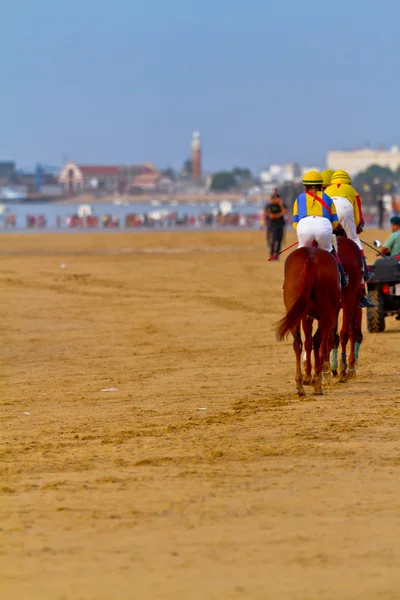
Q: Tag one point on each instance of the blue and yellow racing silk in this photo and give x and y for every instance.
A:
(314, 204)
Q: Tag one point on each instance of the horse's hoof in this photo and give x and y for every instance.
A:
(307, 381)
(351, 374)
(317, 387)
(327, 375)
(301, 393)
(334, 372)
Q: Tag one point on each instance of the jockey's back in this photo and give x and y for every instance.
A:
(345, 190)
(343, 177)
(348, 204)
(314, 204)
(315, 217)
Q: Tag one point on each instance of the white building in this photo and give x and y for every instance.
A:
(277, 175)
(357, 160)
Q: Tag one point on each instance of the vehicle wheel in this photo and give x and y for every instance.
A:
(376, 315)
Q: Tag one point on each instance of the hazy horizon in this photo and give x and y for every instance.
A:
(115, 82)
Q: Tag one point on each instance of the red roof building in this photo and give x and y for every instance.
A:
(146, 181)
(99, 170)
(77, 178)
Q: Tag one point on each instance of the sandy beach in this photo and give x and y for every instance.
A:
(199, 474)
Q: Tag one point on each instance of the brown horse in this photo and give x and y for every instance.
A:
(311, 291)
(350, 258)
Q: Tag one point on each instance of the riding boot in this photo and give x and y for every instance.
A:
(344, 279)
(367, 272)
(364, 302)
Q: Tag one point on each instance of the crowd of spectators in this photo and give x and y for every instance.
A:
(153, 220)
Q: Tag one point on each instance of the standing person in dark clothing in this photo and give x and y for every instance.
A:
(266, 225)
(266, 219)
(275, 213)
(381, 211)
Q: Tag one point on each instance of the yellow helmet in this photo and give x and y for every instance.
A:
(312, 178)
(341, 177)
(326, 177)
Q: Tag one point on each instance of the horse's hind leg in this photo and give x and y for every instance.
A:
(358, 335)
(326, 366)
(356, 338)
(344, 338)
(317, 380)
(351, 368)
(334, 361)
(307, 328)
(298, 347)
(322, 345)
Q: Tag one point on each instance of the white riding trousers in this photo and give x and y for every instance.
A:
(318, 229)
(345, 213)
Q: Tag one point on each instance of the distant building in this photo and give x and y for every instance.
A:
(357, 160)
(152, 182)
(7, 170)
(77, 179)
(304, 170)
(19, 184)
(11, 193)
(7, 173)
(196, 156)
(277, 175)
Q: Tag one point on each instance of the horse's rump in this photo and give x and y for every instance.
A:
(311, 289)
(350, 257)
(297, 291)
(311, 278)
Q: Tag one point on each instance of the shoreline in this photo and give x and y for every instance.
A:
(144, 199)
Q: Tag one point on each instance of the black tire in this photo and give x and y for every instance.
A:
(376, 315)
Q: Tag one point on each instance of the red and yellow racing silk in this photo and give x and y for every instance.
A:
(343, 190)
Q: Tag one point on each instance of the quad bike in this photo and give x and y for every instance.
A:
(384, 291)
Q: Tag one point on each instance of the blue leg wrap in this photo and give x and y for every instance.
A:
(334, 362)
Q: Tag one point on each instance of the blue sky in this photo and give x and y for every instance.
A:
(264, 81)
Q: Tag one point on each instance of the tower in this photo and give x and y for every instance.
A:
(196, 156)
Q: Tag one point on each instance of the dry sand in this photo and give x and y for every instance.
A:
(140, 494)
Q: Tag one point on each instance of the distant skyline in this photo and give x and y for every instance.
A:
(124, 82)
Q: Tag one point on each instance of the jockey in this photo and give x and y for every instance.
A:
(326, 178)
(349, 211)
(314, 218)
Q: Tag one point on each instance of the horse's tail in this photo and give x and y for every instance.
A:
(295, 314)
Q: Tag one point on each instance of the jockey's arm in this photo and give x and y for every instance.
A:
(295, 215)
(357, 209)
(358, 215)
(334, 217)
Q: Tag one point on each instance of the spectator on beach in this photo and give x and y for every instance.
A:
(275, 213)
(266, 224)
(381, 211)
